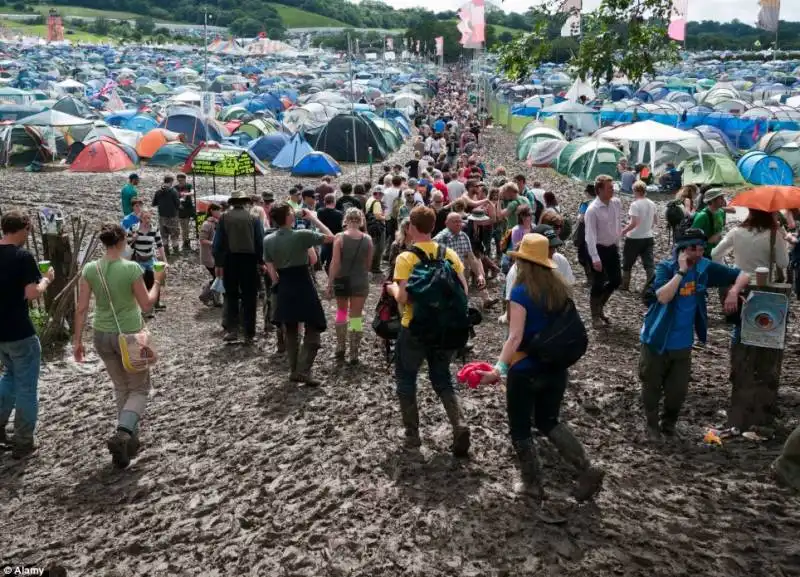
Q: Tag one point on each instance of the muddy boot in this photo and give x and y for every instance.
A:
(589, 272)
(355, 345)
(590, 480)
(341, 342)
(452, 405)
(118, 445)
(653, 430)
(529, 469)
(601, 308)
(133, 446)
(206, 297)
(21, 448)
(668, 421)
(280, 341)
(410, 415)
(626, 281)
(293, 353)
(231, 336)
(304, 365)
(594, 307)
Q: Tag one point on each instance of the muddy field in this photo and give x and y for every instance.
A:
(244, 473)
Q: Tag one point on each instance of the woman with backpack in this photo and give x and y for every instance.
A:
(580, 235)
(533, 389)
(348, 281)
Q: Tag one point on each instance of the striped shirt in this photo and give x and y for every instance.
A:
(144, 247)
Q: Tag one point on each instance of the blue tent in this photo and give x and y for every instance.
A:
(316, 164)
(293, 151)
(194, 129)
(759, 168)
(267, 147)
(140, 123)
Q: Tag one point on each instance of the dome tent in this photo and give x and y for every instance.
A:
(784, 144)
(593, 159)
(101, 156)
(716, 169)
(533, 134)
(347, 138)
(267, 147)
(293, 151)
(190, 123)
(759, 168)
(316, 164)
(21, 145)
(170, 154)
(546, 152)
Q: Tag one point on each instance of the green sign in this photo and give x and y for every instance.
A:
(223, 162)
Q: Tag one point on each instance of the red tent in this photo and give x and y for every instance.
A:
(101, 156)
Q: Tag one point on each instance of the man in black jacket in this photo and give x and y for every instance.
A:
(238, 250)
(168, 202)
(186, 212)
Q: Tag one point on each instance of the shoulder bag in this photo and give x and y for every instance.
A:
(137, 353)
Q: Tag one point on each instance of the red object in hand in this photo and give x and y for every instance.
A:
(469, 373)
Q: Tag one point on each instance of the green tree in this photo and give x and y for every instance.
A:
(101, 26)
(145, 25)
(629, 36)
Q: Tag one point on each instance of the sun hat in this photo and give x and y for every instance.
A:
(549, 233)
(691, 237)
(713, 194)
(534, 248)
(267, 196)
(239, 195)
(479, 216)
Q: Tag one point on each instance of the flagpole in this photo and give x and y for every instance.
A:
(352, 104)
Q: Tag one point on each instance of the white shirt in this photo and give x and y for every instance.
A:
(390, 195)
(436, 147)
(538, 194)
(645, 210)
(564, 269)
(603, 226)
(428, 143)
(455, 189)
(751, 249)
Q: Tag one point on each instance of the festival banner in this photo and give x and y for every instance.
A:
(572, 26)
(440, 46)
(389, 43)
(472, 24)
(677, 23)
(769, 14)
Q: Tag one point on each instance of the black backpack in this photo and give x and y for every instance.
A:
(562, 343)
(375, 227)
(441, 320)
(674, 214)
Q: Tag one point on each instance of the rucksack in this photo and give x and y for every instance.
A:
(375, 227)
(441, 319)
(386, 323)
(566, 229)
(562, 343)
(674, 214)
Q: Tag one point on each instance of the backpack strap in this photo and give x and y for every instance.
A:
(423, 256)
(441, 252)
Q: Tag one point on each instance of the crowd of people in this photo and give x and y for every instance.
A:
(434, 231)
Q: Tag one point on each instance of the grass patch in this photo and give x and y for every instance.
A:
(68, 11)
(41, 30)
(295, 18)
(498, 30)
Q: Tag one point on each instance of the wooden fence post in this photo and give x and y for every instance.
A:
(58, 251)
(755, 375)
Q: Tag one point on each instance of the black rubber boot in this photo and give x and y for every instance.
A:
(530, 470)
(591, 479)
(452, 405)
(410, 414)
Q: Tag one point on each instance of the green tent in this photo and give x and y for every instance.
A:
(562, 163)
(259, 127)
(533, 134)
(593, 159)
(717, 169)
(390, 132)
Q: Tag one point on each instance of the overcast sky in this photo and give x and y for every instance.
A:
(723, 10)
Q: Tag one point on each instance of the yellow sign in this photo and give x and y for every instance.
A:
(222, 162)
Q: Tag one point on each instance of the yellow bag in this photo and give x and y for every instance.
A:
(137, 353)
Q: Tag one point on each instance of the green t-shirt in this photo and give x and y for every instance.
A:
(512, 207)
(286, 248)
(119, 276)
(711, 224)
(128, 193)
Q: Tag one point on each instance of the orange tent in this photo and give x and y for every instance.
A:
(101, 156)
(155, 139)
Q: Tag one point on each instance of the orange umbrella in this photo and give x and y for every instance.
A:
(769, 198)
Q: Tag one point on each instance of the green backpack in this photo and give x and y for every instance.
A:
(441, 319)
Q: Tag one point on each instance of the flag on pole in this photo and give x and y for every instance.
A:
(572, 26)
(440, 46)
(472, 24)
(417, 46)
(356, 45)
(677, 23)
(769, 15)
(389, 43)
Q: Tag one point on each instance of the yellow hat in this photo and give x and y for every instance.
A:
(534, 248)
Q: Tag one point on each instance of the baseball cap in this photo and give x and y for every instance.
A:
(549, 233)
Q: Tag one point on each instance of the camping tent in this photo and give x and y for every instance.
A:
(347, 138)
(101, 156)
(316, 164)
(534, 134)
(759, 168)
(293, 151)
(267, 147)
(154, 140)
(545, 152)
(54, 118)
(21, 145)
(712, 169)
(190, 123)
(784, 144)
(648, 131)
(593, 159)
(170, 154)
(582, 118)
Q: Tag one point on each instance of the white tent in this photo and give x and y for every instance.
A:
(189, 96)
(583, 118)
(580, 88)
(53, 118)
(70, 83)
(652, 132)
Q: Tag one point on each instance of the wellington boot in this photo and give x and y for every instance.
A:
(355, 345)
(410, 414)
(461, 434)
(591, 479)
(530, 470)
(341, 342)
(626, 281)
(118, 445)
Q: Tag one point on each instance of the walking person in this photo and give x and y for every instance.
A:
(534, 391)
(603, 231)
(376, 227)
(120, 298)
(333, 219)
(168, 202)
(146, 246)
(286, 256)
(186, 211)
(677, 312)
(128, 193)
(584, 259)
(207, 232)
(238, 246)
(20, 349)
(411, 351)
(348, 281)
(638, 234)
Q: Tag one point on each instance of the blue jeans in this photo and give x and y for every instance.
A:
(409, 354)
(19, 384)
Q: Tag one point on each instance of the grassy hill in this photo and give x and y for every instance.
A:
(296, 18)
(41, 30)
(67, 11)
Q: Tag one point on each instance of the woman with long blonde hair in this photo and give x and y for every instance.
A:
(348, 281)
(532, 389)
